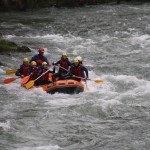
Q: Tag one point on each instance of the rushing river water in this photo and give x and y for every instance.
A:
(115, 44)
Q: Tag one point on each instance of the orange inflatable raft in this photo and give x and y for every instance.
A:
(65, 86)
(68, 86)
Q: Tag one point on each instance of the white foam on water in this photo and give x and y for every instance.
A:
(2, 71)
(64, 100)
(136, 8)
(129, 85)
(25, 94)
(131, 29)
(109, 93)
(142, 40)
(51, 37)
(125, 79)
(5, 125)
(106, 96)
(35, 94)
(105, 38)
(47, 147)
(117, 90)
(9, 36)
(67, 39)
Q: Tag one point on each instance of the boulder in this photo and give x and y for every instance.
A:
(7, 47)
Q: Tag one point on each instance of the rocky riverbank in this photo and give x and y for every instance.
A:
(23, 5)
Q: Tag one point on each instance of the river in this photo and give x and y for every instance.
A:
(114, 41)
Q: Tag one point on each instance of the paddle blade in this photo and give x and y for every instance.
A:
(87, 88)
(99, 81)
(6, 81)
(25, 79)
(11, 71)
(29, 84)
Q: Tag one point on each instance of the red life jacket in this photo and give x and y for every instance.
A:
(35, 71)
(39, 61)
(24, 69)
(64, 64)
(77, 71)
(46, 75)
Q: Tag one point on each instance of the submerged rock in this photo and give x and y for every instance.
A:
(23, 49)
(7, 47)
(1, 64)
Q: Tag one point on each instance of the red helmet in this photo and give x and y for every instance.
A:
(41, 50)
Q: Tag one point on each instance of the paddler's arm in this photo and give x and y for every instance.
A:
(86, 71)
(69, 74)
(18, 72)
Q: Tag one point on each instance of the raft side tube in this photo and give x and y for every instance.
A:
(65, 86)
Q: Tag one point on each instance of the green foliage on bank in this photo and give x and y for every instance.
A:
(7, 47)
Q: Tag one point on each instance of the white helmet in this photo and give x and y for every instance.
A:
(79, 58)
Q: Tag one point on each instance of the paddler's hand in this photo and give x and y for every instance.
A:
(84, 79)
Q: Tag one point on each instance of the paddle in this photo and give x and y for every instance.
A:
(11, 71)
(25, 79)
(87, 88)
(97, 81)
(9, 80)
(61, 67)
(84, 79)
(31, 83)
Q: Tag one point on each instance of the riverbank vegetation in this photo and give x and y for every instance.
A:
(23, 5)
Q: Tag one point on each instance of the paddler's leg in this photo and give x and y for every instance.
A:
(54, 77)
(36, 83)
(43, 82)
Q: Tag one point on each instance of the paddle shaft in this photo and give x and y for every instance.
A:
(80, 77)
(42, 74)
(62, 68)
(97, 81)
(74, 75)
